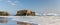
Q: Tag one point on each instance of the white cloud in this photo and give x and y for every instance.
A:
(13, 3)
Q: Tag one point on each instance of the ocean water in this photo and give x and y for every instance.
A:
(7, 21)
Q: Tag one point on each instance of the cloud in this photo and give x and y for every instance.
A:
(13, 3)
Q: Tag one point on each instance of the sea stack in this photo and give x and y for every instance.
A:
(21, 13)
(30, 13)
(3, 13)
(25, 13)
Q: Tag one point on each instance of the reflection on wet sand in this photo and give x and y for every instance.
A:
(23, 23)
(3, 20)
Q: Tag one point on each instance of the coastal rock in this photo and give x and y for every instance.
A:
(2, 13)
(25, 13)
(21, 13)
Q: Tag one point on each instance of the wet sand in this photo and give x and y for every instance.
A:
(44, 20)
(50, 20)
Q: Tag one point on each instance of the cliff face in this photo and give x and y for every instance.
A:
(25, 13)
(21, 13)
(2, 13)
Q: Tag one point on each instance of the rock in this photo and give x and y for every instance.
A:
(2, 13)
(21, 13)
(25, 13)
(30, 13)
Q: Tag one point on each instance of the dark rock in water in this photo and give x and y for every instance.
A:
(25, 13)
(2, 13)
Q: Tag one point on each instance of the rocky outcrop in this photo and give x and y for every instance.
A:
(2, 13)
(30, 13)
(21, 13)
(25, 13)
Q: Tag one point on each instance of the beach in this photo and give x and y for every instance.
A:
(42, 20)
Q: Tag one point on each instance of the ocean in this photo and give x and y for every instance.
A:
(9, 21)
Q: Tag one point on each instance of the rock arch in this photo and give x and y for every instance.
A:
(25, 13)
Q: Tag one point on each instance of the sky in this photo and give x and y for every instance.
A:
(39, 6)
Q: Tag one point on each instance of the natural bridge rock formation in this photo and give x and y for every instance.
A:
(2, 13)
(25, 13)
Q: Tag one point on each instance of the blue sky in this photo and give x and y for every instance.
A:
(41, 6)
